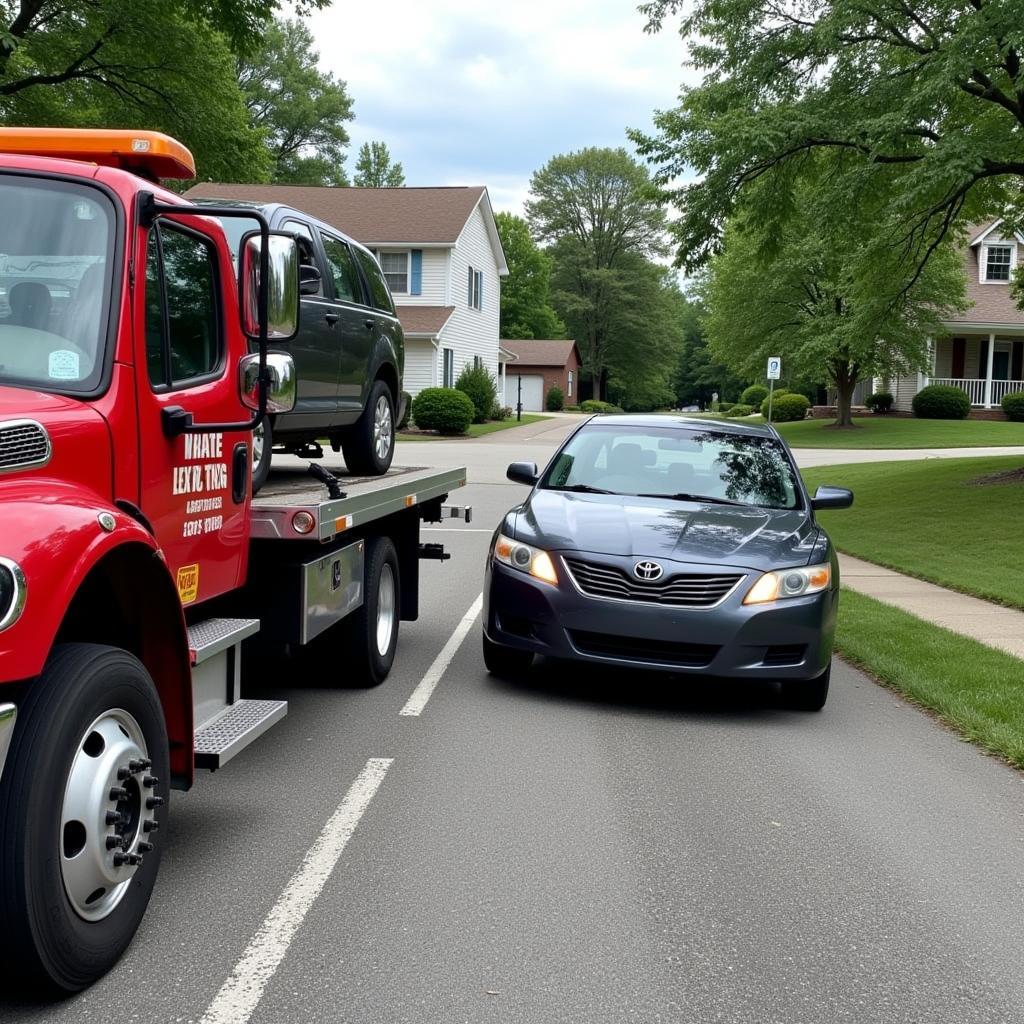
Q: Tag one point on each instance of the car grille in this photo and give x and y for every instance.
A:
(658, 652)
(23, 443)
(692, 590)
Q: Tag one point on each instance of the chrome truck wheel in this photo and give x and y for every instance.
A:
(383, 430)
(81, 804)
(370, 635)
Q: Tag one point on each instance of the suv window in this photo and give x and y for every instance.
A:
(374, 277)
(343, 269)
(183, 338)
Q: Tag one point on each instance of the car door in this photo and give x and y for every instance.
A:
(315, 347)
(386, 329)
(354, 326)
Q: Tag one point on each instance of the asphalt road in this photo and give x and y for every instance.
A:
(580, 848)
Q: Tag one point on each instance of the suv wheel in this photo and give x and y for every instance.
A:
(370, 446)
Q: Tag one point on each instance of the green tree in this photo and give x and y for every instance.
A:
(374, 168)
(920, 104)
(698, 375)
(597, 209)
(300, 109)
(820, 305)
(525, 309)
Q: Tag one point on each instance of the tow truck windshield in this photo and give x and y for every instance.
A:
(56, 245)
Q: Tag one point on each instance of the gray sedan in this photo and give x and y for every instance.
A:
(668, 543)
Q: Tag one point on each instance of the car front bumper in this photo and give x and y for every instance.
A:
(787, 639)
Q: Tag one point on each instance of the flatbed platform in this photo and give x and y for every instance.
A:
(289, 491)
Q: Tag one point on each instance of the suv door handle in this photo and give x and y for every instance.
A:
(332, 318)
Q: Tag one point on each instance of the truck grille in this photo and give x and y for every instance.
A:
(23, 443)
(655, 652)
(692, 590)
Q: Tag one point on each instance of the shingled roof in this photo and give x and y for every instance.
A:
(540, 352)
(423, 320)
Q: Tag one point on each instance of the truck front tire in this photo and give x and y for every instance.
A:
(369, 446)
(65, 800)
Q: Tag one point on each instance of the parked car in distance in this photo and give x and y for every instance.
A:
(349, 351)
(668, 543)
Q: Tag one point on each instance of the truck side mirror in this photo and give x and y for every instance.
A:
(280, 393)
(282, 286)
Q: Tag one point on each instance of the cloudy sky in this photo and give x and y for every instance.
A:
(485, 93)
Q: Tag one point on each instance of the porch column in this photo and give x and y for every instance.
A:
(988, 371)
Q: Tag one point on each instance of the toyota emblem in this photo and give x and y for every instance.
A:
(648, 571)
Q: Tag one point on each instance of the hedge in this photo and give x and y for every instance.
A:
(1013, 405)
(593, 405)
(880, 402)
(479, 387)
(739, 409)
(754, 395)
(446, 410)
(941, 402)
(725, 406)
(787, 407)
(556, 399)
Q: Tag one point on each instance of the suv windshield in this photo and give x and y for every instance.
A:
(673, 463)
(56, 244)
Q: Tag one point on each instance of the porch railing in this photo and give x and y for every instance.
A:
(1004, 387)
(974, 387)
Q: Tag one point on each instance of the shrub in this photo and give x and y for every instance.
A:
(1013, 405)
(754, 395)
(725, 406)
(505, 412)
(593, 405)
(941, 402)
(880, 402)
(556, 399)
(446, 410)
(786, 407)
(404, 421)
(739, 409)
(478, 385)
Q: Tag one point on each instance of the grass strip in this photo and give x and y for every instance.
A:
(974, 689)
(476, 429)
(903, 432)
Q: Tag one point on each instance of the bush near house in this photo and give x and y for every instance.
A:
(754, 395)
(446, 410)
(879, 402)
(941, 402)
(404, 421)
(725, 406)
(555, 400)
(478, 385)
(786, 407)
(739, 409)
(593, 405)
(1013, 406)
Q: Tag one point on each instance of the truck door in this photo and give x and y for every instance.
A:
(194, 488)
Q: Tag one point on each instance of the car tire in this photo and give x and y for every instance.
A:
(92, 707)
(505, 662)
(373, 627)
(807, 694)
(262, 442)
(369, 446)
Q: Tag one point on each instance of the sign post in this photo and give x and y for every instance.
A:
(519, 398)
(774, 374)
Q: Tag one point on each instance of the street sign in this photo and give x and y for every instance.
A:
(774, 367)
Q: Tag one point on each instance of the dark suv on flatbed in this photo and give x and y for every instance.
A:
(348, 353)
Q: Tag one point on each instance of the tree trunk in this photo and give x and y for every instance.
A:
(846, 382)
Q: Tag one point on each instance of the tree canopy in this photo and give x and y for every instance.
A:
(374, 168)
(698, 375)
(525, 308)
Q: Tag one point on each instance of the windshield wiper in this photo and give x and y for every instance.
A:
(582, 489)
(684, 496)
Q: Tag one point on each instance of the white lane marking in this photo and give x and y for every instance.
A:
(241, 993)
(418, 701)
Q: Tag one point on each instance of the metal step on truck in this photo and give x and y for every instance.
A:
(139, 578)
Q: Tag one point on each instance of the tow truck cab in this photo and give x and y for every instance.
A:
(128, 397)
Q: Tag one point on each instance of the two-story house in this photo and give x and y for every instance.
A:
(440, 252)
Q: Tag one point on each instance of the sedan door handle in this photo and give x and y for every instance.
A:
(332, 318)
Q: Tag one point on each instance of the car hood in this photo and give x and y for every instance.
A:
(631, 527)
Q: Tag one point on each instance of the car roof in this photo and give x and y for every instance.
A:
(687, 423)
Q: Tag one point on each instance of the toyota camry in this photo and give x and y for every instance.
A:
(660, 542)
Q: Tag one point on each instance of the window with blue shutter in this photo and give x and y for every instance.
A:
(416, 272)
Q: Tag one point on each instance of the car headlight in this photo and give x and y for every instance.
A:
(533, 561)
(799, 582)
(12, 592)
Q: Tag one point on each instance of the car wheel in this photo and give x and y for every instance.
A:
(506, 662)
(370, 445)
(262, 442)
(80, 804)
(807, 694)
(373, 627)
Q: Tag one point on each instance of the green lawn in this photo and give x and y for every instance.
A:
(928, 519)
(903, 432)
(973, 688)
(476, 429)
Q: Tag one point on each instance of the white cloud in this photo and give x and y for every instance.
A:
(486, 94)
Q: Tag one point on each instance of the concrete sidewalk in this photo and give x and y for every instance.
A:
(990, 624)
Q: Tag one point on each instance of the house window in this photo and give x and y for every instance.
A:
(448, 380)
(998, 262)
(477, 362)
(475, 288)
(568, 389)
(396, 271)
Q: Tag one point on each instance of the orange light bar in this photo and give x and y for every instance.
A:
(153, 153)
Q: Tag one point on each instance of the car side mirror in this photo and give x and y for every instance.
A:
(831, 497)
(281, 391)
(523, 473)
(282, 286)
(309, 280)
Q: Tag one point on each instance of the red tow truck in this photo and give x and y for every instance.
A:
(138, 576)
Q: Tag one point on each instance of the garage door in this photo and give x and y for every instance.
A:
(533, 392)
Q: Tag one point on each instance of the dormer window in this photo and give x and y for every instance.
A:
(998, 261)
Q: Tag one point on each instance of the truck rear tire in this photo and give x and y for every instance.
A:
(373, 628)
(82, 795)
(369, 445)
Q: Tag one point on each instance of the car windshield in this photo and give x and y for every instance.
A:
(234, 228)
(56, 244)
(676, 464)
